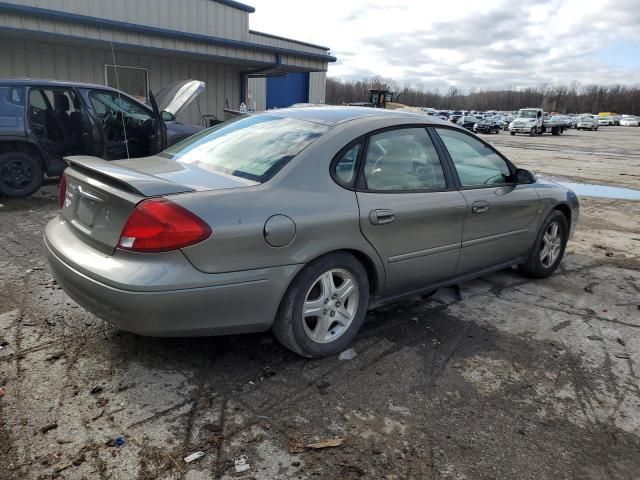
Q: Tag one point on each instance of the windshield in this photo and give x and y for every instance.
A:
(254, 147)
(527, 113)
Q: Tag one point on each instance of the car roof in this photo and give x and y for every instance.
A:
(42, 82)
(334, 115)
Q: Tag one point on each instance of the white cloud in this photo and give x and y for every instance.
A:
(465, 43)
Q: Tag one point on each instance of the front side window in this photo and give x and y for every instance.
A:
(254, 147)
(403, 160)
(111, 103)
(476, 163)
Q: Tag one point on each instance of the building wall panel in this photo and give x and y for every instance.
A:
(29, 58)
(317, 87)
(257, 89)
(198, 16)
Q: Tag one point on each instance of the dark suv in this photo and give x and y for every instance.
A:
(42, 121)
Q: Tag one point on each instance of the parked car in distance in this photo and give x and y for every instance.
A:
(587, 122)
(488, 125)
(298, 220)
(605, 121)
(563, 120)
(629, 121)
(467, 121)
(44, 120)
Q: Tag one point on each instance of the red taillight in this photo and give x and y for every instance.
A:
(158, 225)
(63, 191)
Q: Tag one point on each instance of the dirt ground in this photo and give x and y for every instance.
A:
(518, 379)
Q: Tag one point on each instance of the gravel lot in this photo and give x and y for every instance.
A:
(518, 379)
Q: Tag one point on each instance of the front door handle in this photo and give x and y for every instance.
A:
(480, 206)
(382, 217)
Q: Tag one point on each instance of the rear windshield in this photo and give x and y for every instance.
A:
(254, 147)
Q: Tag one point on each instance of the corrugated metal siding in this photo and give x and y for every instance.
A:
(28, 58)
(133, 38)
(317, 87)
(257, 89)
(183, 46)
(196, 16)
(284, 43)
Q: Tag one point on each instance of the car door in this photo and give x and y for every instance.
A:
(502, 216)
(410, 210)
(127, 127)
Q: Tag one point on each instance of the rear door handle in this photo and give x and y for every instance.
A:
(480, 206)
(382, 217)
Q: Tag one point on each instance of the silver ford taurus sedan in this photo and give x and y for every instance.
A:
(298, 220)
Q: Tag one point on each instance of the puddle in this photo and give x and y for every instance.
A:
(593, 190)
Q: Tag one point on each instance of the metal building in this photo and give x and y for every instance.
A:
(156, 42)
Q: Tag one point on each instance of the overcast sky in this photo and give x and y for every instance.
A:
(469, 44)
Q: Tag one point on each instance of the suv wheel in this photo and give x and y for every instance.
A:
(20, 174)
(324, 307)
(548, 249)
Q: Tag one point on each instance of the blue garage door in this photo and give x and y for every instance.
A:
(287, 90)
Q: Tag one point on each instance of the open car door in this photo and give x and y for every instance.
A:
(158, 140)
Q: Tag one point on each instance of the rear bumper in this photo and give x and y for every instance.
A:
(162, 294)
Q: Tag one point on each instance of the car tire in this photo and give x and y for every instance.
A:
(552, 236)
(512, 133)
(315, 286)
(20, 174)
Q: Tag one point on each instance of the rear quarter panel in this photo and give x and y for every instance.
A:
(326, 215)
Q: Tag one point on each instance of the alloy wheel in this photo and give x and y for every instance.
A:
(330, 305)
(551, 245)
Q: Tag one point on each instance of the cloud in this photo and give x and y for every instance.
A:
(467, 44)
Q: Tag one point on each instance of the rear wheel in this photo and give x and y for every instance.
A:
(324, 307)
(548, 249)
(20, 174)
(532, 132)
(512, 133)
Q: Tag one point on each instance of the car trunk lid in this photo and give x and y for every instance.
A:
(100, 195)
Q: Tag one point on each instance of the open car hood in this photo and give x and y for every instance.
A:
(176, 96)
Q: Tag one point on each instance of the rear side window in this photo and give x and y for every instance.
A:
(477, 164)
(346, 165)
(254, 147)
(15, 95)
(403, 160)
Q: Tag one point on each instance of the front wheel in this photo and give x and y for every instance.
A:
(324, 307)
(548, 249)
(512, 133)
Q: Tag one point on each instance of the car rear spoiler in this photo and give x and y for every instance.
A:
(125, 177)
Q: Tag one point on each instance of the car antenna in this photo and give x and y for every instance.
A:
(124, 127)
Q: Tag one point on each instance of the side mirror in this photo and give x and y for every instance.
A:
(168, 116)
(524, 176)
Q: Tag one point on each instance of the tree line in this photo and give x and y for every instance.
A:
(574, 98)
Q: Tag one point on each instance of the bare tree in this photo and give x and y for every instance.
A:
(571, 98)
